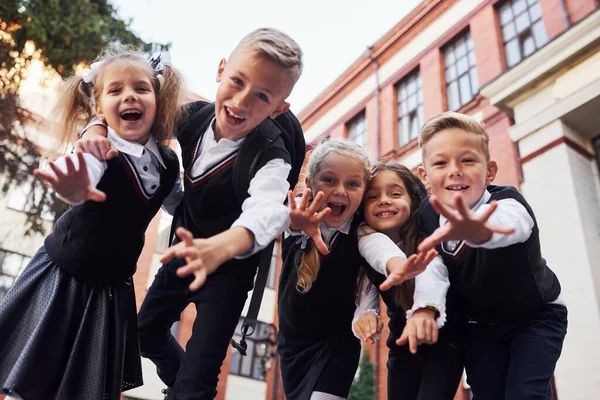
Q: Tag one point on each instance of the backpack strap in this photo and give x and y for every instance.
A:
(248, 160)
(251, 318)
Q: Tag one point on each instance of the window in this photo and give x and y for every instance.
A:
(461, 75)
(523, 30)
(410, 107)
(11, 266)
(357, 130)
(249, 365)
(273, 267)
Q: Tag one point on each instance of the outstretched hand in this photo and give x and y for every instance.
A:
(74, 185)
(95, 142)
(306, 218)
(367, 326)
(401, 270)
(202, 256)
(463, 224)
(421, 328)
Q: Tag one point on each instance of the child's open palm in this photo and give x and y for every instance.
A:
(74, 185)
(203, 257)
(463, 224)
(305, 218)
(402, 270)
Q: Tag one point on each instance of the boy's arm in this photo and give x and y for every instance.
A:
(366, 324)
(431, 287)
(93, 140)
(509, 214)
(264, 214)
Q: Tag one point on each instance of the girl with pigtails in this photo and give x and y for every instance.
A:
(69, 327)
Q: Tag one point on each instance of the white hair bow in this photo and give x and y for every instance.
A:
(157, 63)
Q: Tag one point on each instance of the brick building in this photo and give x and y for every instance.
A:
(530, 69)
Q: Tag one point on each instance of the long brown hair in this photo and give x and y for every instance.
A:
(409, 231)
(76, 105)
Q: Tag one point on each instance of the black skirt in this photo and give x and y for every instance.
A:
(326, 365)
(63, 338)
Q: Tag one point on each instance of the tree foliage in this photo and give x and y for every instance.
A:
(67, 33)
(363, 387)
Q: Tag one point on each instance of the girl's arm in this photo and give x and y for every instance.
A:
(431, 287)
(172, 201)
(366, 324)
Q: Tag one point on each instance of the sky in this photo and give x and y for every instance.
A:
(332, 34)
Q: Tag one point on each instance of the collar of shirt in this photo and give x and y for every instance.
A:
(133, 148)
(327, 232)
(208, 141)
(483, 200)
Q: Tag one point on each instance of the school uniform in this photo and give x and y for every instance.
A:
(69, 322)
(435, 371)
(318, 352)
(209, 207)
(517, 317)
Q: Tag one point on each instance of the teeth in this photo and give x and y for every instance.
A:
(336, 204)
(232, 114)
(386, 214)
(457, 187)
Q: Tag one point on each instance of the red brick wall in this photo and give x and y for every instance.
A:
(579, 9)
(487, 41)
(432, 76)
(389, 119)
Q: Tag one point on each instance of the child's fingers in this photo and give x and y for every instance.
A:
(461, 206)
(379, 325)
(111, 153)
(360, 331)
(437, 237)
(316, 203)
(319, 243)
(96, 195)
(82, 164)
(500, 229)
(435, 332)
(291, 200)
(169, 254)
(200, 278)
(187, 252)
(403, 339)
(389, 282)
(186, 236)
(442, 209)
(190, 268)
(304, 199)
(57, 171)
(493, 205)
(70, 166)
(45, 176)
(321, 215)
(412, 341)
(373, 324)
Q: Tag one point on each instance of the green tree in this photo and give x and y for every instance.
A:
(363, 387)
(67, 32)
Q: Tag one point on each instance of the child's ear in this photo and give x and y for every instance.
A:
(99, 113)
(280, 109)
(423, 176)
(220, 69)
(492, 170)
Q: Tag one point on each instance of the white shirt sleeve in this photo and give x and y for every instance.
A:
(263, 213)
(95, 168)
(431, 287)
(368, 303)
(171, 202)
(509, 214)
(94, 121)
(377, 248)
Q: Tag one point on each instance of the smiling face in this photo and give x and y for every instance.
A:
(127, 100)
(387, 204)
(454, 162)
(251, 89)
(342, 179)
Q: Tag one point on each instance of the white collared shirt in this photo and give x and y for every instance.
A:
(431, 285)
(263, 213)
(146, 159)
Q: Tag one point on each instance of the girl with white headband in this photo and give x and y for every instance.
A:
(68, 323)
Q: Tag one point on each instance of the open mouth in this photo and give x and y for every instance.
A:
(385, 214)
(131, 115)
(457, 188)
(232, 117)
(337, 209)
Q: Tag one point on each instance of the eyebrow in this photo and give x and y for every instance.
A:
(261, 89)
